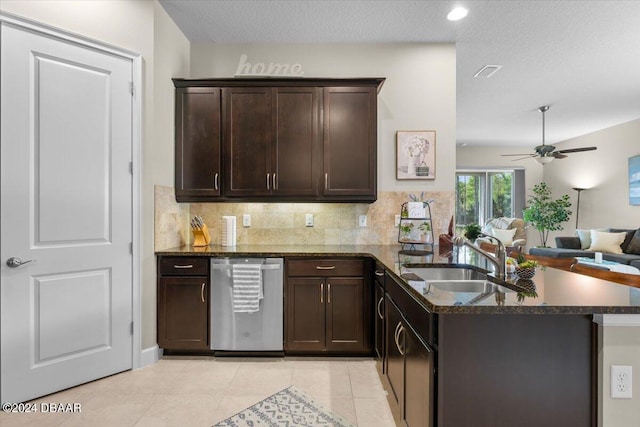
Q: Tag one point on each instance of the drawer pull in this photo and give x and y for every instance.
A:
(329, 293)
(329, 267)
(202, 292)
(321, 293)
(380, 307)
(379, 273)
(183, 266)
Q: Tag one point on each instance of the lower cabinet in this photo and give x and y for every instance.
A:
(325, 300)
(410, 364)
(419, 384)
(183, 303)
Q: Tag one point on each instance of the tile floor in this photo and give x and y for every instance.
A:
(200, 391)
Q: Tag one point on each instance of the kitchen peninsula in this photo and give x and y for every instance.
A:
(516, 353)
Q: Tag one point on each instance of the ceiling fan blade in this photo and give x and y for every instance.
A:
(527, 157)
(577, 150)
(531, 155)
(559, 156)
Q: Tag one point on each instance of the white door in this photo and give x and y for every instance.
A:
(66, 140)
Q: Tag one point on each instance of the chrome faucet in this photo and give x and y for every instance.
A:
(499, 259)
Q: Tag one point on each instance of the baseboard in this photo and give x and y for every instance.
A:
(150, 356)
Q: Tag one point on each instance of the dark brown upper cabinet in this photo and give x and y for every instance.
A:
(279, 139)
(197, 145)
(271, 137)
(350, 128)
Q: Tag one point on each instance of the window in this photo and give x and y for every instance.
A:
(481, 195)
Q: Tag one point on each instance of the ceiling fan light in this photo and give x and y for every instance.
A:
(544, 160)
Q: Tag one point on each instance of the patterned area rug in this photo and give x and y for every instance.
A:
(289, 407)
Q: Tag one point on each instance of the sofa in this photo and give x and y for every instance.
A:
(581, 246)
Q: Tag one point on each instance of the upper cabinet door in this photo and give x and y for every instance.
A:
(349, 142)
(197, 147)
(296, 154)
(247, 141)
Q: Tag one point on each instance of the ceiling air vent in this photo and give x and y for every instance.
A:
(487, 71)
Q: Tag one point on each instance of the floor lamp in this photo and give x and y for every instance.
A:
(579, 190)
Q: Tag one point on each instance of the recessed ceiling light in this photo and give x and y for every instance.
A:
(457, 13)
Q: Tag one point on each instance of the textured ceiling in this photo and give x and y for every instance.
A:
(580, 57)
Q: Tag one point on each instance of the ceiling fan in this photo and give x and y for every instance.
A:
(546, 153)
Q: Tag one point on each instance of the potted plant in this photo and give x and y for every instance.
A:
(525, 269)
(472, 231)
(405, 230)
(544, 213)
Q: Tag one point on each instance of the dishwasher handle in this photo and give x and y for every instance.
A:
(229, 266)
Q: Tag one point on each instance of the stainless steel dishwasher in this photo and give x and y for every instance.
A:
(236, 330)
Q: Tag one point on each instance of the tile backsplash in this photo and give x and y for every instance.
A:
(284, 223)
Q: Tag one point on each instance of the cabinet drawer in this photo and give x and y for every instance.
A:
(183, 266)
(325, 267)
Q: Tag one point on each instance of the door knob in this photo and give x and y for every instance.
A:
(15, 262)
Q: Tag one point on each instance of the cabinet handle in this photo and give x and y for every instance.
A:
(275, 183)
(268, 181)
(399, 330)
(215, 181)
(379, 273)
(202, 292)
(329, 293)
(395, 335)
(326, 181)
(183, 266)
(329, 267)
(321, 293)
(379, 307)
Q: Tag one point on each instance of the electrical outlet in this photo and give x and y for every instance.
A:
(246, 220)
(621, 380)
(308, 220)
(362, 220)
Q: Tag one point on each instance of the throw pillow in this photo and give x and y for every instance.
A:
(606, 242)
(505, 236)
(585, 237)
(627, 239)
(634, 245)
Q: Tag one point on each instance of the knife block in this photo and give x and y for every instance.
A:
(201, 237)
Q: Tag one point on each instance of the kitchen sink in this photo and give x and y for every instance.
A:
(438, 273)
(475, 286)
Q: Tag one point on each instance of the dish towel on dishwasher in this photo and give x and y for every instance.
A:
(247, 288)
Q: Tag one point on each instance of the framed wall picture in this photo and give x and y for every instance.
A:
(634, 180)
(416, 154)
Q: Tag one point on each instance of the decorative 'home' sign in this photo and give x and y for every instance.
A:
(245, 68)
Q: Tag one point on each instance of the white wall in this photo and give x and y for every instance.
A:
(604, 172)
(418, 94)
(145, 28)
(618, 346)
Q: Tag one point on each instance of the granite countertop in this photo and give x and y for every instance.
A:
(551, 291)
